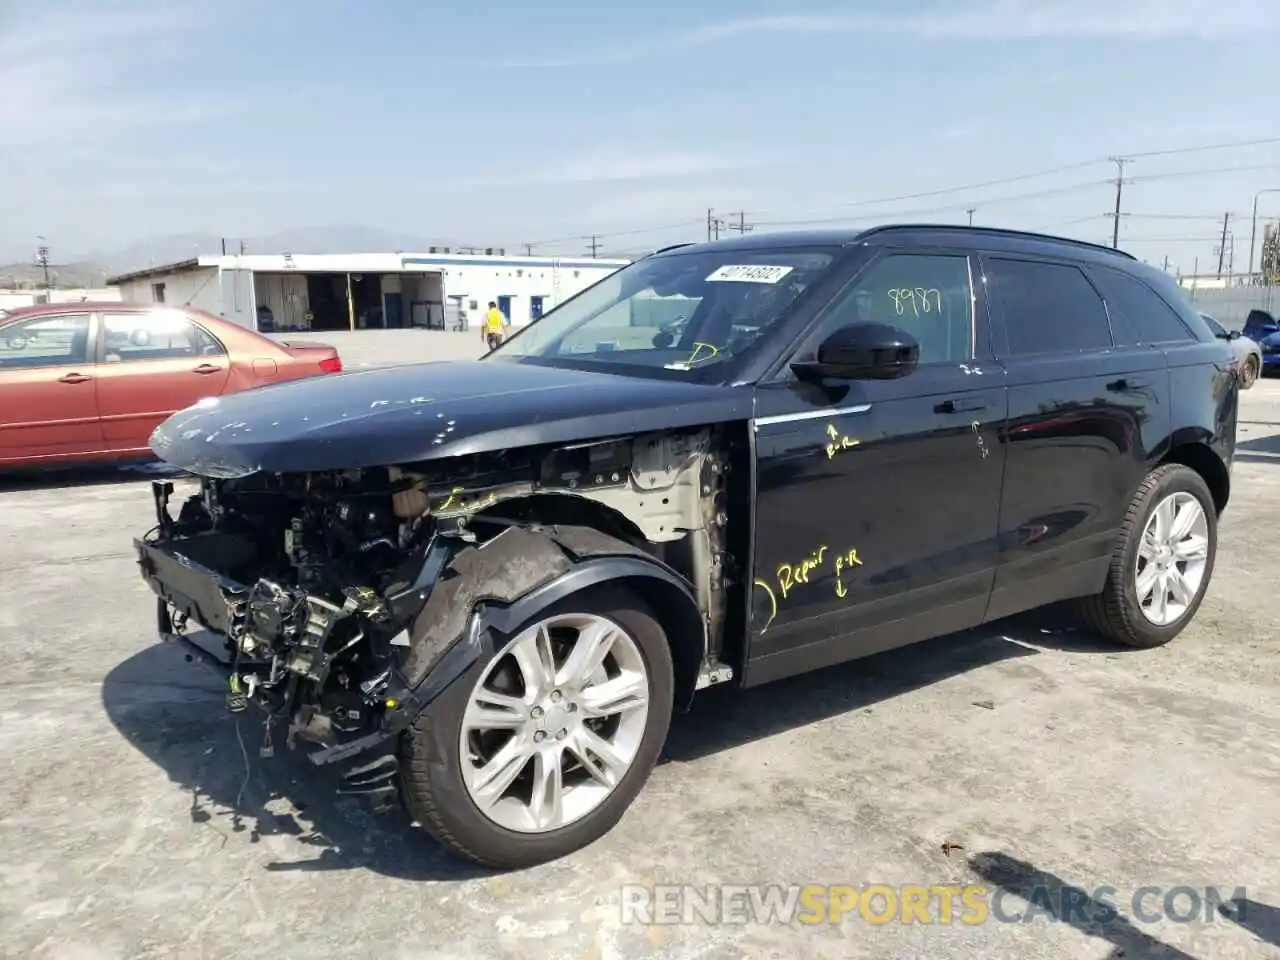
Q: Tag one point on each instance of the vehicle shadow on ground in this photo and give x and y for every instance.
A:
(1026, 894)
(173, 711)
(95, 476)
(1259, 449)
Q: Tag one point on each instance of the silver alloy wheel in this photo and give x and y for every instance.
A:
(1172, 558)
(554, 723)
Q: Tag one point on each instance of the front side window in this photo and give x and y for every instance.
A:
(1048, 308)
(155, 336)
(681, 311)
(929, 296)
(45, 342)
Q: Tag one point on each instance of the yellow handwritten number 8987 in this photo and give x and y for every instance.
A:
(918, 299)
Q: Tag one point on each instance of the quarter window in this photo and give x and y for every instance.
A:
(1047, 307)
(929, 296)
(1138, 311)
(45, 342)
(155, 336)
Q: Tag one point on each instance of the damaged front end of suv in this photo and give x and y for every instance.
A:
(347, 601)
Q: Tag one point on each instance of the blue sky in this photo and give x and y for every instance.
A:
(505, 123)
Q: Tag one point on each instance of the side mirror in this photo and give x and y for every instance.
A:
(1233, 334)
(862, 351)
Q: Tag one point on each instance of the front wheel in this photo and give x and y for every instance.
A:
(540, 750)
(1162, 561)
(1248, 373)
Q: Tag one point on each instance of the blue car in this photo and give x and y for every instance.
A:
(1261, 327)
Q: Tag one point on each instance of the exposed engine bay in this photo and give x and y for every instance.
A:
(317, 583)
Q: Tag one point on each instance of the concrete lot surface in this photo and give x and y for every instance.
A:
(138, 820)
(360, 349)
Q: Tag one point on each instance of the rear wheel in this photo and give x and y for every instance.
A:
(1162, 561)
(539, 751)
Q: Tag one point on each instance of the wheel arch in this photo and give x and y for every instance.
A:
(1200, 457)
(508, 580)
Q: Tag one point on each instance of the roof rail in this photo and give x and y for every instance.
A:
(674, 246)
(997, 232)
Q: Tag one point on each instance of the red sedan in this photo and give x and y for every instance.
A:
(90, 381)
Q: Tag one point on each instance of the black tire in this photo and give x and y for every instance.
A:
(1249, 373)
(1115, 612)
(431, 777)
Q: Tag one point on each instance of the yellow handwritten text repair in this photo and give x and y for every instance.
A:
(836, 441)
(792, 575)
(917, 300)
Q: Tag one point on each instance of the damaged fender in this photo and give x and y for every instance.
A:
(501, 585)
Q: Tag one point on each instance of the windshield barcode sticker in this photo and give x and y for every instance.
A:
(748, 273)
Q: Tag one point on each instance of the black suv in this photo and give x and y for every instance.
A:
(482, 587)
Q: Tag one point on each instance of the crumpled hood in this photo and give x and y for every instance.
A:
(427, 411)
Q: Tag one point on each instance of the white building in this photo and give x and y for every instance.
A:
(353, 291)
(14, 299)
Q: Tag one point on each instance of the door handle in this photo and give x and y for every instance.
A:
(206, 368)
(1125, 384)
(74, 378)
(963, 403)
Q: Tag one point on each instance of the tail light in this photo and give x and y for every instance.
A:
(331, 365)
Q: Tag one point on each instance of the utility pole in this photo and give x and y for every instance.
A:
(1166, 264)
(741, 226)
(1115, 226)
(595, 245)
(1222, 249)
(42, 258)
(971, 211)
(528, 249)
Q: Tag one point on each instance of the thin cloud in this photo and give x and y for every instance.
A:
(1138, 20)
(619, 164)
(62, 73)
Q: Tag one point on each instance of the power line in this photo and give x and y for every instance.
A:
(924, 211)
(1001, 181)
(1203, 149)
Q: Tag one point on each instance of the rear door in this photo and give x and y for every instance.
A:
(1084, 414)
(48, 405)
(152, 364)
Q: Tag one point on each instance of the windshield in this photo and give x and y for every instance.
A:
(680, 311)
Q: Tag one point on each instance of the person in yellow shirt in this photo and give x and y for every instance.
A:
(494, 326)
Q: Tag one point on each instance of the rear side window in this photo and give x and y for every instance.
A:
(1047, 307)
(155, 336)
(1137, 313)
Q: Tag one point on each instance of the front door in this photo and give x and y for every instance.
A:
(48, 391)
(535, 309)
(154, 363)
(878, 501)
(504, 306)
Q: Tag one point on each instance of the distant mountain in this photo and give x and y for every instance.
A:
(158, 251)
